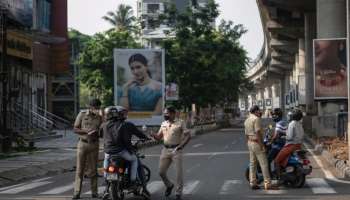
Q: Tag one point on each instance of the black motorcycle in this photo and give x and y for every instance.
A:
(118, 178)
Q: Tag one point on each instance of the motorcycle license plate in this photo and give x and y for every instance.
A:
(112, 177)
(306, 167)
(289, 169)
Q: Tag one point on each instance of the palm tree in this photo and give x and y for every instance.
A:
(122, 18)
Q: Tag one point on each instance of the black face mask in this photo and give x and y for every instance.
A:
(166, 117)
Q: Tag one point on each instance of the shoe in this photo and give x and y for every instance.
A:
(254, 187)
(169, 190)
(76, 196)
(94, 196)
(271, 187)
(178, 197)
(146, 193)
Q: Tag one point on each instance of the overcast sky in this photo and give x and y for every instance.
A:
(86, 16)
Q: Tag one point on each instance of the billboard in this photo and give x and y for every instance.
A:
(20, 11)
(139, 79)
(330, 69)
(172, 92)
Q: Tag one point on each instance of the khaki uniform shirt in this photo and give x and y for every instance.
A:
(88, 121)
(252, 124)
(173, 132)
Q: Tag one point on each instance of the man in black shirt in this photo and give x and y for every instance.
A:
(117, 134)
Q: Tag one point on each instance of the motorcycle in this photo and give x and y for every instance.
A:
(294, 174)
(118, 178)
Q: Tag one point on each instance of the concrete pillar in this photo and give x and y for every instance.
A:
(310, 34)
(331, 23)
(331, 18)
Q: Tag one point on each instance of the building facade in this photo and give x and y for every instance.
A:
(289, 72)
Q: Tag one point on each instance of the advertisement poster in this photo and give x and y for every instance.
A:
(172, 92)
(19, 10)
(268, 103)
(330, 68)
(139, 84)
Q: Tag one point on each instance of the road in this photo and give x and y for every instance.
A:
(214, 168)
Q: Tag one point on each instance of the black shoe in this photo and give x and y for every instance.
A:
(178, 197)
(76, 196)
(169, 190)
(254, 187)
(94, 195)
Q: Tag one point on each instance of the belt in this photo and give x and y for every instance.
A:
(170, 146)
(88, 141)
(253, 140)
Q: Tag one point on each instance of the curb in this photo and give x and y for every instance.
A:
(61, 166)
(341, 167)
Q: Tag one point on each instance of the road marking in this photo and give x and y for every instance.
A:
(101, 189)
(320, 186)
(155, 186)
(197, 145)
(228, 186)
(207, 153)
(274, 192)
(42, 179)
(60, 190)
(25, 187)
(12, 186)
(212, 156)
(192, 168)
(190, 187)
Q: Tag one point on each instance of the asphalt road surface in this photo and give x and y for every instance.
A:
(214, 166)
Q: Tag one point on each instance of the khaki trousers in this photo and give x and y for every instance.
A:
(87, 158)
(166, 158)
(256, 155)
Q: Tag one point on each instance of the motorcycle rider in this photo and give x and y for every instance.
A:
(117, 135)
(294, 139)
(278, 139)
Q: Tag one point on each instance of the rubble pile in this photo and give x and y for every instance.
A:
(338, 147)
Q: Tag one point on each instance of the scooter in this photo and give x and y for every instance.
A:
(118, 178)
(294, 174)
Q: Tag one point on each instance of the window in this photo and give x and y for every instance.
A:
(152, 8)
(44, 15)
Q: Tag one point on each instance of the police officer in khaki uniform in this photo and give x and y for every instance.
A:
(175, 135)
(87, 125)
(254, 136)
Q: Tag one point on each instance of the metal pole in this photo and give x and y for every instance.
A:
(4, 78)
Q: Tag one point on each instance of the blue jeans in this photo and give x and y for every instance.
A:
(127, 156)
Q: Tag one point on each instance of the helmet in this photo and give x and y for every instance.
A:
(254, 108)
(297, 115)
(116, 112)
(277, 114)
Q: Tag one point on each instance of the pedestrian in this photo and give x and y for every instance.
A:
(87, 125)
(257, 152)
(175, 135)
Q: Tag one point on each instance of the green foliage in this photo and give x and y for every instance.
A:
(96, 62)
(208, 64)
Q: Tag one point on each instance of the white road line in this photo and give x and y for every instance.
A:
(190, 187)
(197, 145)
(42, 179)
(320, 186)
(25, 187)
(207, 153)
(228, 186)
(155, 186)
(274, 192)
(192, 168)
(212, 156)
(12, 186)
(60, 190)
(101, 189)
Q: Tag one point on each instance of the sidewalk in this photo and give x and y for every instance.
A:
(58, 156)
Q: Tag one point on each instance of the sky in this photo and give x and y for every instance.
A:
(86, 16)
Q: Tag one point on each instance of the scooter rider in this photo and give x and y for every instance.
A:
(117, 135)
(278, 139)
(294, 139)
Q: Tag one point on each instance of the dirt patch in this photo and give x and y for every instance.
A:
(338, 147)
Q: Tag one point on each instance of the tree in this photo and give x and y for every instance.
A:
(96, 62)
(207, 64)
(122, 19)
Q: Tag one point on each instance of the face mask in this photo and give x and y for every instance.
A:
(166, 117)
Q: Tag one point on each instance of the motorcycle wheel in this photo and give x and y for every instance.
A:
(299, 181)
(116, 191)
(146, 172)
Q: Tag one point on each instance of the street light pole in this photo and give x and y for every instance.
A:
(4, 79)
